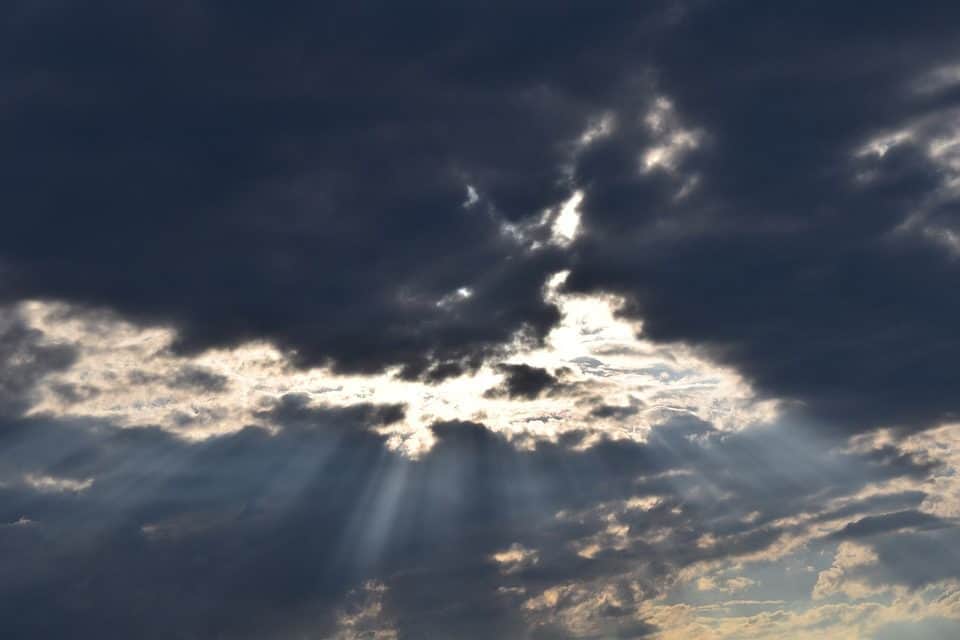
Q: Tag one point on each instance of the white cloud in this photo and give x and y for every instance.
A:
(839, 579)
(52, 484)
(515, 558)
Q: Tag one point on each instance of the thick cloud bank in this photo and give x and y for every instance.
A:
(798, 216)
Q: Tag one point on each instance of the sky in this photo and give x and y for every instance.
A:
(521, 320)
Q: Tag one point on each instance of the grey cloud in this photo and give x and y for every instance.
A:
(882, 502)
(70, 392)
(783, 259)
(25, 359)
(522, 381)
(300, 174)
(617, 412)
(198, 379)
(896, 521)
(259, 535)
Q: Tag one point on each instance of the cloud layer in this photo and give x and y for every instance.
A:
(376, 320)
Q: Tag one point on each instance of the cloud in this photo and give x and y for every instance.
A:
(872, 525)
(265, 532)
(25, 359)
(321, 320)
(198, 379)
(299, 176)
(835, 579)
(521, 381)
(772, 244)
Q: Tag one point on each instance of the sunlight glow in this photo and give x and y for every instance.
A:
(608, 380)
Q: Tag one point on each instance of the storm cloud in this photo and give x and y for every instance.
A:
(783, 243)
(521, 320)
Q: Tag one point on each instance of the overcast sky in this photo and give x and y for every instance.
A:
(480, 320)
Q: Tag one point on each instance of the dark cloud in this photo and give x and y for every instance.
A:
(617, 412)
(915, 558)
(773, 245)
(909, 549)
(25, 359)
(301, 174)
(364, 185)
(884, 502)
(524, 382)
(293, 411)
(873, 525)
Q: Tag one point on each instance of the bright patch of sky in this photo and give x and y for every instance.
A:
(610, 379)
